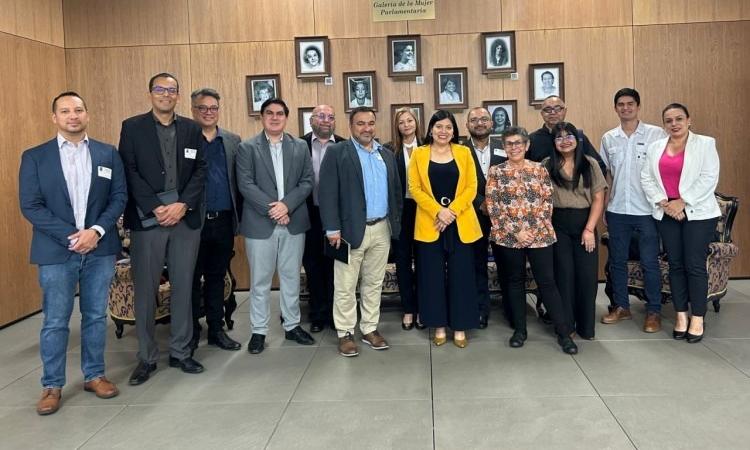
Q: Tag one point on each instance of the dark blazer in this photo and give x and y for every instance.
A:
(342, 193)
(256, 181)
(308, 140)
(401, 165)
(45, 201)
(144, 167)
(231, 147)
(481, 180)
(543, 144)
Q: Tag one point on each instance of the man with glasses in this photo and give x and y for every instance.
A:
(318, 267)
(479, 124)
(275, 177)
(220, 220)
(165, 170)
(543, 140)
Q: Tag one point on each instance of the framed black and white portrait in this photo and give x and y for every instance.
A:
(451, 88)
(303, 116)
(499, 52)
(545, 80)
(312, 57)
(503, 113)
(360, 90)
(259, 89)
(404, 56)
(417, 110)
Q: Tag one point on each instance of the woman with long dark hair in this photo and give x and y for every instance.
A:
(578, 201)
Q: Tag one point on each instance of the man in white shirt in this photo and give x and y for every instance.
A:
(628, 211)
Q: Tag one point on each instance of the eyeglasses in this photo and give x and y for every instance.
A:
(553, 109)
(477, 120)
(511, 144)
(328, 117)
(203, 109)
(161, 90)
(568, 137)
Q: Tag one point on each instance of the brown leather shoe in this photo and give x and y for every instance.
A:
(375, 340)
(617, 315)
(347, 347)
(50, 401)
(652, 323)
(102, 387)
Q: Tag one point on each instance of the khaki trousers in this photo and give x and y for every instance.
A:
(369, 261)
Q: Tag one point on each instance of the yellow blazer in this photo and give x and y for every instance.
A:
(428, 206)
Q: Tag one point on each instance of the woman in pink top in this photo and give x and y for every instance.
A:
(679, 178)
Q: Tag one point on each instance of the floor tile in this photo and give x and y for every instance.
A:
(527, 423)
(742, 286)
(682, 422)
(393, 424)
(652, 368)
(731, 322)
(487, 370)
(735, 351)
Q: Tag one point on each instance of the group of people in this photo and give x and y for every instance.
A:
(338, 207)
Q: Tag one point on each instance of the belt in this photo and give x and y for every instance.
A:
(374, 221)
(211, 215)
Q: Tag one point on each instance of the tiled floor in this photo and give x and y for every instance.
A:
(624, 390)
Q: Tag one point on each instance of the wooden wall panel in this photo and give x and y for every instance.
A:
(8, 17)
(646, 12)
(114, 82)
(106, 23)
(213, 21)
(38, 75)
(715, 98)
(38, 20)
(351, 19)
(547, 15)
(474, 16)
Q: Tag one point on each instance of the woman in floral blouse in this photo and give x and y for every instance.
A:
(519, 203)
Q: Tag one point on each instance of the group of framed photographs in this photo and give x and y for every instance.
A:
(451, 89)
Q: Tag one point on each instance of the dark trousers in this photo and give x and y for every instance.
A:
(502, 279)
(445, 279)
(542, 266)
(576, 270)
(318, 270)
(621, 228)
(214, 255)
(686, 243)
(406, 258)
(480, 265)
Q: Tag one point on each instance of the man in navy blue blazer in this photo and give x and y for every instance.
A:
(72, 190)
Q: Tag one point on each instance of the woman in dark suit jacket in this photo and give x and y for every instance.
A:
(406, 132)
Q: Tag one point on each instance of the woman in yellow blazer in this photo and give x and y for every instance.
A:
(443, 182)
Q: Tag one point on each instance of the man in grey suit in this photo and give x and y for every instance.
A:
(275, 176)
(219, 223)
(360, 202)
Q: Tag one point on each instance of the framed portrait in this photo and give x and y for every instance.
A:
(259, 89)
(404, 56)
(504, 114)
(545, 80)
(303, 116)
(416, 108)
(451, 88)
(312, 57)
(360, 90)
(499, 52)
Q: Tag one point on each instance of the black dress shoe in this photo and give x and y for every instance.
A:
(419, 325)
(317, 326)
(300, 336)
(188, 365)
(567, 345)
(407, 326)
(518, 339)
(257, 343)
(483, 321)
(141, 373)
(224, 342)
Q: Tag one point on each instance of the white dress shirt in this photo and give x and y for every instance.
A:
(483, 155)
(76, 167)
(277, 157)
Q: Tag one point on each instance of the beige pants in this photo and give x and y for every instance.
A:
(369, 260)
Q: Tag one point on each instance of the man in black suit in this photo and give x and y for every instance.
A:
(165, 170)
(479, 124)
(360, 203)
(220, 223)
(318, 267)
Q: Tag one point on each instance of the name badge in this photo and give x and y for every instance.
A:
(190, 153)
(499, 152)
(104, 172)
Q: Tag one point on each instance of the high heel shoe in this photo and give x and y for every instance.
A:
(680, 335)
(420, 325)
(460, 343)
(439, 340)
(695, 338)
(407, 326)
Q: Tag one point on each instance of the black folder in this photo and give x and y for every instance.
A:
(341, 253)
(167, 198)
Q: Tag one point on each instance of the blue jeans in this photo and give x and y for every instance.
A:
(621, 228)
(93, 274)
